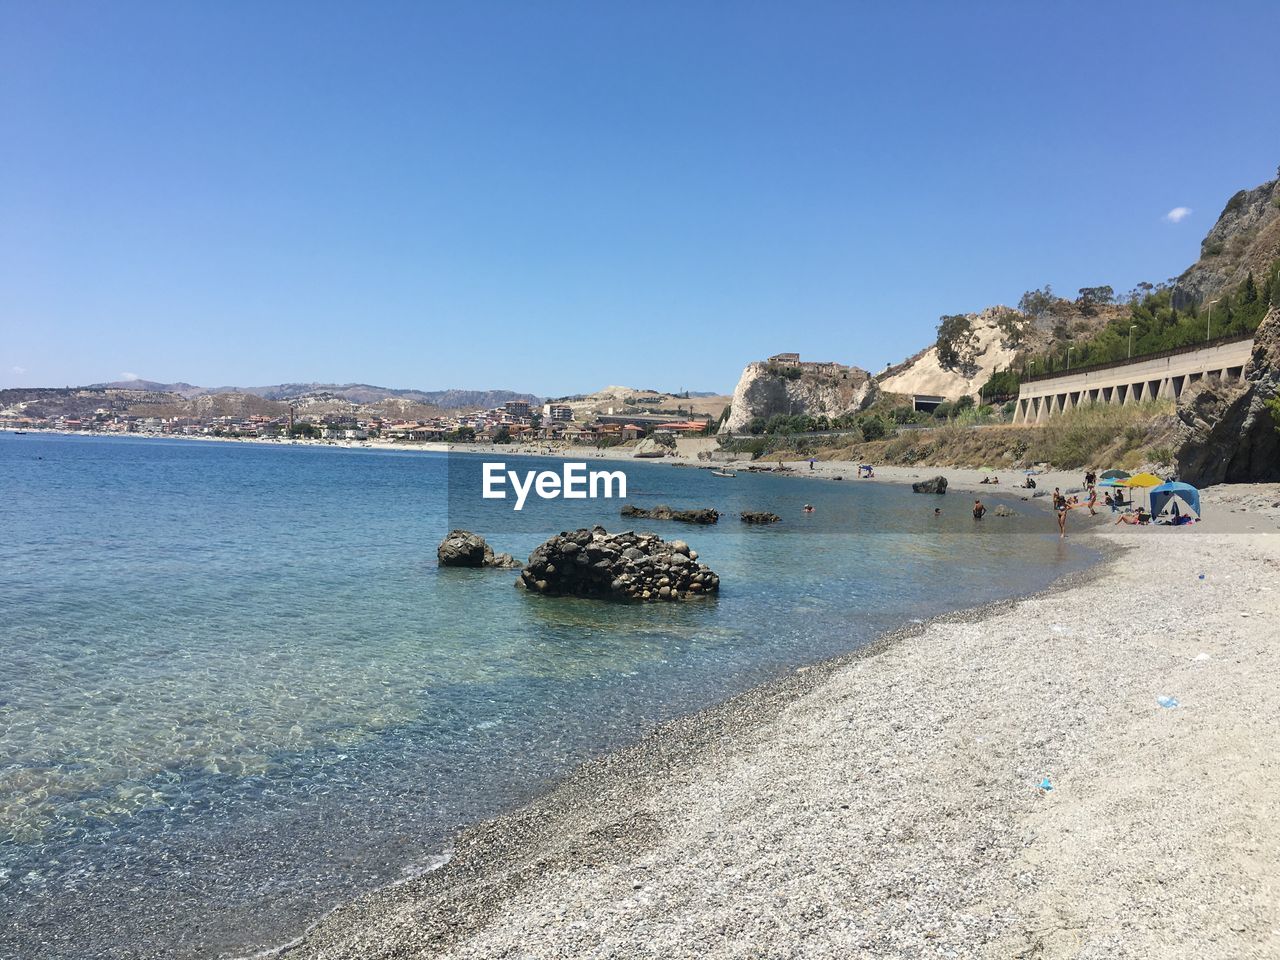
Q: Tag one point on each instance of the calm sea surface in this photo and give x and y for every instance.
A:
(235, 689)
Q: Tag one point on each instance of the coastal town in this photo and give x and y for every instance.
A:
(514, 421)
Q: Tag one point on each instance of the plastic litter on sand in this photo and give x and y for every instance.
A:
(1167, 701)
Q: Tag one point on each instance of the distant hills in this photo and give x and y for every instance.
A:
(357, 393)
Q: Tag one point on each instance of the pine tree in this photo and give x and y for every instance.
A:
(1250, 289)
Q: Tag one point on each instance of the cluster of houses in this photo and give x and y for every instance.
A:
(516, 420)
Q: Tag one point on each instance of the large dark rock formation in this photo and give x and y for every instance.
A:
(759, 516)
(462, 548)
(1226, 432)
(932, 485)
(702, 515)
(623, 566)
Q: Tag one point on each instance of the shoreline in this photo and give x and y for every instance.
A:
(653, 849)
(609, 813)
(1261, 500)
(482, 852)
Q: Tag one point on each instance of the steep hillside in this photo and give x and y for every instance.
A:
(981, 344)
(1245, 239)
(769, 388)
(212, 405)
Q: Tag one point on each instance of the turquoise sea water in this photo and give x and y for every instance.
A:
(235, 689)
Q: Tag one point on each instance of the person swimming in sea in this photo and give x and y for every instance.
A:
(978, 509)
(808, 508)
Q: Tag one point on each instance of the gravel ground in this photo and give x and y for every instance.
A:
(890, 804)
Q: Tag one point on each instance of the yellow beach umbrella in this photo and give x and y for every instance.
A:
(1142, 480)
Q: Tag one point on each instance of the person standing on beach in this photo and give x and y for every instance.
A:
(1061, 507)
(978, 509)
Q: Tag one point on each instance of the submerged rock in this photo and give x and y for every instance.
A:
(936, 484)
(704, 515)
(623, 566)
(1002, 511)
(759, 516)
(462, 548)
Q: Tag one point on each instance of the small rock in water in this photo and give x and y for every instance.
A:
(462, 548)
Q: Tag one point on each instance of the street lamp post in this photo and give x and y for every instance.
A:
(1132, 328)
(1208, 320)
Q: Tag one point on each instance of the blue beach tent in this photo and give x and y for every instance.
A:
(1161, 495)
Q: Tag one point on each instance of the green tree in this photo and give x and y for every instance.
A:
(1250, 292)
(873, 428)
(953, 331)
(1093, 297)
(1037, 303)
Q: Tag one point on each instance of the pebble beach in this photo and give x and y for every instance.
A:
(1082, 773)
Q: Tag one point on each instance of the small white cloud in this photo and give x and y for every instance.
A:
(1178, 214)
(129, 376)
(19, 370)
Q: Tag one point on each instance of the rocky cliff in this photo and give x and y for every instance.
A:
(1245, 238)
(768, 388)
(1226, 433)
(989, 343)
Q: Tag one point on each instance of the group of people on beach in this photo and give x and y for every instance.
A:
(1114, 501)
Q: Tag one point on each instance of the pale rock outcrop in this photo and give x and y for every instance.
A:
(988, 348)
(766, 390)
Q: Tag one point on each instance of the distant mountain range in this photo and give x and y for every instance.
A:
(361, 393)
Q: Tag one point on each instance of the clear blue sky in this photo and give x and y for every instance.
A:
(554, 196)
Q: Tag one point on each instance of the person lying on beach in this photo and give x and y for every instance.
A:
(1128, 518)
